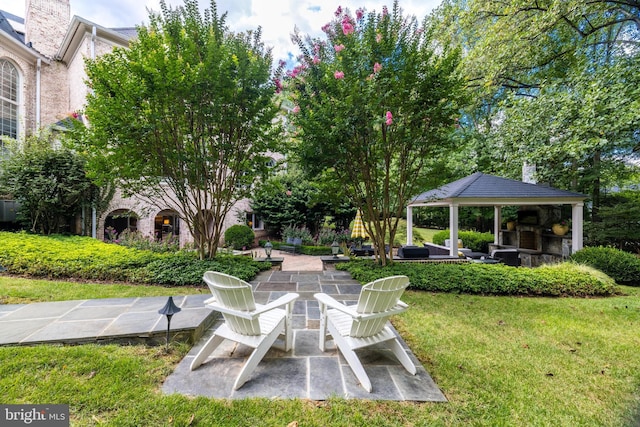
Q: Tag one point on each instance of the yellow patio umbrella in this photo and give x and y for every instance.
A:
(358, 230)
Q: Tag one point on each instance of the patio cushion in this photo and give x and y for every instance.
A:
(413, 252)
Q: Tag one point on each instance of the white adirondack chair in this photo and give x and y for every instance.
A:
(257, 326)
(365, 324)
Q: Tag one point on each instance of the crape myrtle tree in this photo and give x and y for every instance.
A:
(375, 101)
(184, 117)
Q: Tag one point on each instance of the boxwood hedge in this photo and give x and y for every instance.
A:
(90, 259)
(623, 267)
(477, 242)
(566, 279)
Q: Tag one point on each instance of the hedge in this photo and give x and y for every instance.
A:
(477, 242)
(623, 267)
(90, 259)
(304, 249)
(565, 279)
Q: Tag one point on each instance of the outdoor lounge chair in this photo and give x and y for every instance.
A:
(365, 324)
(257, 326)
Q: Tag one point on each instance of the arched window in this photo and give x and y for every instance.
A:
(8, 99)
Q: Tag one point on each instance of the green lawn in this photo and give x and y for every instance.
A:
(499, 360)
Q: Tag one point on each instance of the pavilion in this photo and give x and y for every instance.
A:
(481, 189)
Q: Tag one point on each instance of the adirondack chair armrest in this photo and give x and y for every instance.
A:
(397, 309)
(283, 300)
(329, 301)
(210, 300)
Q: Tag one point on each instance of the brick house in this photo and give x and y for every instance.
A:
(42, 82)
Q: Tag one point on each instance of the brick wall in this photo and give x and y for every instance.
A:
(46, 23)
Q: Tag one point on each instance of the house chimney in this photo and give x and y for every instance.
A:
(528, 173)
(46, 23)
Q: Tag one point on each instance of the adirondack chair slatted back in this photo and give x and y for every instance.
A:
(377, 297)
(235, 294)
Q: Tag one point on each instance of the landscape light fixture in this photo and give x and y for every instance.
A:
(335, 248)
(268, 247)
(169, 309)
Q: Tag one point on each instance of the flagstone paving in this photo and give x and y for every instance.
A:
(304, 372)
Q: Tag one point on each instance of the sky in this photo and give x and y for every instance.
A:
(278, 18)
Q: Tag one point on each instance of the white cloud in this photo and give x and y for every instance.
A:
(277, 18)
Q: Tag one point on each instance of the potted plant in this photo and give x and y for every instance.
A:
(509, 217)
(560, 228)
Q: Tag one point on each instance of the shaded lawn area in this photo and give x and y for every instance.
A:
(499, 361)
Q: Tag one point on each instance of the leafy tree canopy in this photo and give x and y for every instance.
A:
(289, 200)
(374, 102)
(50, 184)
(555, 85)
(184, 116)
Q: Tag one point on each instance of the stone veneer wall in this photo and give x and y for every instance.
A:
(77, 75)
(54, 93)
(147, 213)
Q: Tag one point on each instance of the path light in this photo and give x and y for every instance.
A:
(169, 309)
(335, 248)
(268, 247)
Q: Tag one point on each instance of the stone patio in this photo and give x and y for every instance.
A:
(305, 372)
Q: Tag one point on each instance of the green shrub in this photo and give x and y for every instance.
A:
(135, 239)
(477, 242)
(566, 279)
(90, 259)
(186, 268)
(301, 233)
(622, 266)
(239, 236)
(306, 250)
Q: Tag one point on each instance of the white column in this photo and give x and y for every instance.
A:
(453, 229)
(409, 225)
(577, 222)
(497, 220)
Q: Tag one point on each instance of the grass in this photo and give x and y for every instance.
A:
(420, 235)
(499, 360)
(20, 291)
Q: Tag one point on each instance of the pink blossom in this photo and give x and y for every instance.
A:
(385, 11)
(389, 119)
(282, 63)
(338, 75)
(359, 14)
(377, 67)
(378, 37)
(278, 85)
(316, 60)
(347, 26)
(325, 28)
(296, 109)
(338, 11)
(338, 47)
(316, 48)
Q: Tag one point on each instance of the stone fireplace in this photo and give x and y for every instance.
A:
(534, 240)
